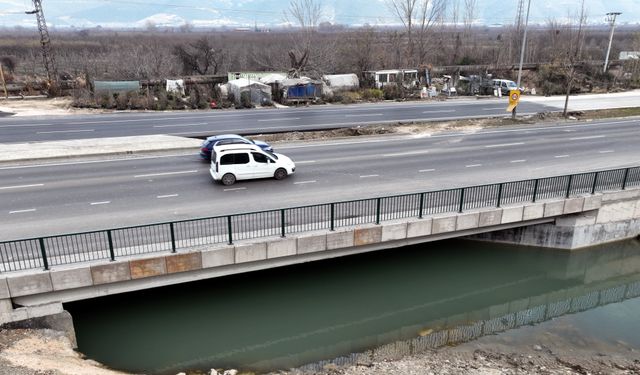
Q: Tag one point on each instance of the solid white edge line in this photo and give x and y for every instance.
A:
(305, 182)
(20, 186)
(180, 125)
(67, 131)
(234, 189)
(587, 137)
(279, 119)
(505, 145)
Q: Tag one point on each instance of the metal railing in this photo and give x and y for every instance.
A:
(45, 252)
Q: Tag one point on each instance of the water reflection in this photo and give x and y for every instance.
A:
(398, 301)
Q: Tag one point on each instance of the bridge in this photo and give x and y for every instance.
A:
(564, 212)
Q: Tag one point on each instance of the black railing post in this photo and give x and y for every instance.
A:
(333, 217)
(173, 238)
(230, 229)
(461, 200)
(535, 190)
(499, 194)
(112, 253)
(421, 205)
(282, 234)
(624, 181)
(378, 203)
(569, 186)
(595, 182)
(44, 254)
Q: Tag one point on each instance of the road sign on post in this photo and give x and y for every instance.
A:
(514, 98)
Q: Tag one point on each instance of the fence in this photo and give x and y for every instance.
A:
(44, 252)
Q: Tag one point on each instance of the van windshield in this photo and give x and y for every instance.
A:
(271, 154)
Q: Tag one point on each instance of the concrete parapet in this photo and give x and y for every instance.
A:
(282, 248)
(184, 262)
(71, 278)
(141, 268)
(110, 273)
(4, 289)
(554, 208)
(621, 195)
(30, 284)
(217, 257)
(339, 240)
(419, 227)
(491, 217)
(251, 253)
(573, 205)
(592, 202)
(6, 306)
(512, 214)
(586, 218)
(468, 221)
(366, 236)
(392, 232)
(612, 212)
(444, 224)
(312, 243)
(533, 211)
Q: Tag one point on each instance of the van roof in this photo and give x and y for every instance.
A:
(236, 147)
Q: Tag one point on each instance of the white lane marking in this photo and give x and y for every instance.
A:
(279, 119)
(561, 156)
(505, 145)
(492, 109)
(370, 175)
(94, 161)
(164, 174)
(441, 111)
(306, 162)
(605, 151)
(234, 189)
(588, 137)
(305, 182)
(473, 165)
(21, 211)
(167, 196)
(426, 170)
(181, 125)
(20, 186)
(97, 203)
(364, 115)
(517, 161)
(66, 131)
(407, 153)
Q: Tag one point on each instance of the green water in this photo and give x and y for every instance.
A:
(298, 315)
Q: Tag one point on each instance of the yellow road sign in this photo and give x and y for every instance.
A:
(514, 98)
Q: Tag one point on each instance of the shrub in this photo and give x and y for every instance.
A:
(372, 94)
(391, 92)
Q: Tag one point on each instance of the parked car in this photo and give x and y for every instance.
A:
(207, 145)
(505, 86)
(232, 162)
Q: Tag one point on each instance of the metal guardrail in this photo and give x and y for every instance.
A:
(45, 252)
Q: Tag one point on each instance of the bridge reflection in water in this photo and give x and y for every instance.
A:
(348, 310)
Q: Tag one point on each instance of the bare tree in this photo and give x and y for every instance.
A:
(418, 18)
(469, 17)
(200, 57)
(306, 14)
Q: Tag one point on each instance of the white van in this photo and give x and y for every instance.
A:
(233, 162)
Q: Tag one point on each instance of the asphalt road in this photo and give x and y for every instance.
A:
(204, 123)
(39, 200)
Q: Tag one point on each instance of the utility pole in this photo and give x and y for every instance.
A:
(45, 41)
(611, 18)
(524, 44)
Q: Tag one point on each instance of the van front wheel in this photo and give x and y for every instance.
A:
(228, 179)
(280, 174)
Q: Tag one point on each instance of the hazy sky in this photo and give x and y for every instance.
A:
(270, 13)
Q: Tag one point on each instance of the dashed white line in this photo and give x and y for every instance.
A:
(180, 125)
(517, 161)
(20, 186)
(21, 211)
(492, 109)
(441, 111)
(605, 151)
(589, 137)
(306, 162)
(370, 175)
(234, 189)
(279, 119)
(407, 153)
(164, 174)
(561, 156)
(473, 165)
(66, 131)
(167, 196)
(426, 170)
(305, 182)
(98, 203)
(505, 145)
(364, 115)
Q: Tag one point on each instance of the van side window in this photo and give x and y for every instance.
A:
(229, 159)
(259, 158)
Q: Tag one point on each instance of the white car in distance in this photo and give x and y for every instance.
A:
(233, 162)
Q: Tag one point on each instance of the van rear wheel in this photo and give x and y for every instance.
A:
(280, 174)
(228, 179)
